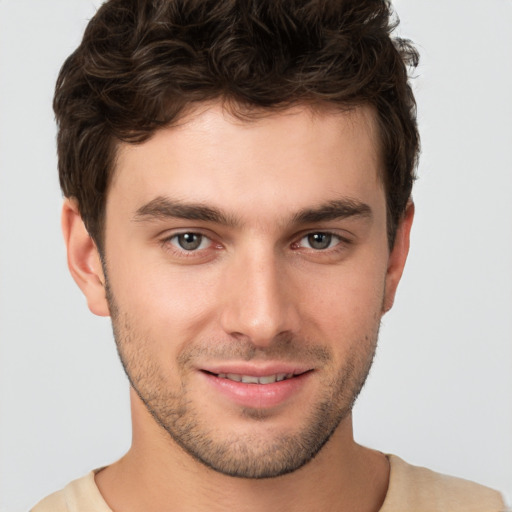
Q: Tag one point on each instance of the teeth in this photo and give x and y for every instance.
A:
(268, 379)
(251, 379)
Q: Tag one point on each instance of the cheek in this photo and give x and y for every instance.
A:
(162, 302)
(345, 303)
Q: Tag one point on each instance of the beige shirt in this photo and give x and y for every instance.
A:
(411, 489)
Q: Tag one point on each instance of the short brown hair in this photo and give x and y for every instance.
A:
(141, 63)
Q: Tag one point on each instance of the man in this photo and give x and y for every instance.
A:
(238, 199)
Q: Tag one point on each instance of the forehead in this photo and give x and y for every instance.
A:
(281, 160)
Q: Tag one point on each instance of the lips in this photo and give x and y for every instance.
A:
(255, 387)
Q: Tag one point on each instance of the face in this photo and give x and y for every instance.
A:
(247, 269)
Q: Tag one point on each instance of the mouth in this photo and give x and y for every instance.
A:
(257, 388)
(256, 379)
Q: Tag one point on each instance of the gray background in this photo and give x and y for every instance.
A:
(440, 393)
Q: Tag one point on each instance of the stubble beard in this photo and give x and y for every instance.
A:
(256, 456)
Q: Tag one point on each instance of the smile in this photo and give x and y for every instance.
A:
(253, 379)
(257, 388)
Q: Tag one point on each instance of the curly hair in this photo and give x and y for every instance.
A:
(142, 63)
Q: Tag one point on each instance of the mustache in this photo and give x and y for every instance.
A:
(284, 348)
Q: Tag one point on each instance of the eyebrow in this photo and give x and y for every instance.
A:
(166, 208)
(333, 210)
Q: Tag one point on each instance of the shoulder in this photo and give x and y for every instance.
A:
(80, 495)
(422, 490)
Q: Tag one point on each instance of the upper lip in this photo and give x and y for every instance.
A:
(255, 370)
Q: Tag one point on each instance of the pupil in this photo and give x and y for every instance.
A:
(189, 241)
(319, 240)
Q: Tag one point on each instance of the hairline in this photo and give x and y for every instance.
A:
(248, 113)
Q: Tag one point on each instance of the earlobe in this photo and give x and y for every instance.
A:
(398, 257)
(83, 259)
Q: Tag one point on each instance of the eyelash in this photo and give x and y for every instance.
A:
(341, 244)
(167, 244)
(332, 237)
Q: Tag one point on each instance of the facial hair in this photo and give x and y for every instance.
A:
(259, 454)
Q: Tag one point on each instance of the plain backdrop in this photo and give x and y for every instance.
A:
(440, 392)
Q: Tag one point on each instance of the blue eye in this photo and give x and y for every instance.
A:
(190, 241)
(319, 241)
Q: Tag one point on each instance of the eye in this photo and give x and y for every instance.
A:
(319, 241)
(190, 241)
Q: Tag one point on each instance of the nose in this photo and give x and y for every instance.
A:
(258, 299)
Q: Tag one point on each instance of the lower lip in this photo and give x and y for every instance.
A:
(258, 396)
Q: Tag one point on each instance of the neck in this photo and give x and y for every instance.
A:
(157, 475)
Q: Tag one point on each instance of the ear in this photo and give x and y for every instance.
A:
(397, 257)
(83, 259)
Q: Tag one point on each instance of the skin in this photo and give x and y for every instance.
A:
(257, 293)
